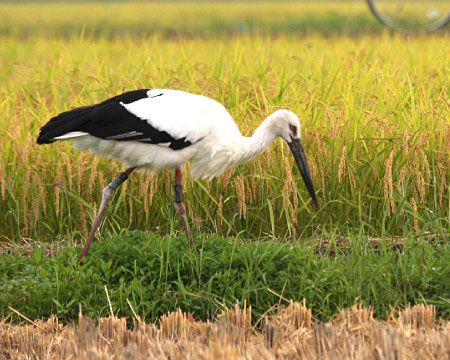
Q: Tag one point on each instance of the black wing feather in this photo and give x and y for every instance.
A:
(109, 120)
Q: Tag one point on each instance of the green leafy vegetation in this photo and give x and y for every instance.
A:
(158, 275)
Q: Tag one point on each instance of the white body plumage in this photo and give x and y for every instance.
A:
(217, 143)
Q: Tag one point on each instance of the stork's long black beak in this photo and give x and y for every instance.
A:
(300, 158)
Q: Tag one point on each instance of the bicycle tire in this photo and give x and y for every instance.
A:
(386, 20)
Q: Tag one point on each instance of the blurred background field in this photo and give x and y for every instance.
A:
(374, 109)
(191, 18)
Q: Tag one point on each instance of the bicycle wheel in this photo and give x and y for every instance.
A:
(412, 15)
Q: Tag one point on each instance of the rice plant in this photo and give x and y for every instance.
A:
(375, 129)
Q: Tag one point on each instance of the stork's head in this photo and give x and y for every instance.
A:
(286, 124)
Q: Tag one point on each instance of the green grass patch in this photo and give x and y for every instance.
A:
(158, 275)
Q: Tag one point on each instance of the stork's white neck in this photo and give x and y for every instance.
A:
(257, 143)
(238, 149)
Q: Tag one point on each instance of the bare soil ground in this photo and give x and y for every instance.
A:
(290, 333)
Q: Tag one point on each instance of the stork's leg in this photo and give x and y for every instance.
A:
(179, 206)
(107, 192)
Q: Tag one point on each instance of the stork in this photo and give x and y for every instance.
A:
(155, 129)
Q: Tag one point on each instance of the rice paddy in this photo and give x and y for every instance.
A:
(375, 128)
(374, 112)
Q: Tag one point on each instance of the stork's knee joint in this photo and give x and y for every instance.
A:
(107, 191)
(178, 191)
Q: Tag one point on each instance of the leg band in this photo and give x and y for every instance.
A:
(119, 180)
(178, 192)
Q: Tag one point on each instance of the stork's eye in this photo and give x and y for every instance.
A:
(293, 129)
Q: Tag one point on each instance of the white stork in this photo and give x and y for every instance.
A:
(158, 129)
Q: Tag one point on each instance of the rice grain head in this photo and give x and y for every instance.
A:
(388, 182)
(342, 164)
(415, 212)
(240, 192)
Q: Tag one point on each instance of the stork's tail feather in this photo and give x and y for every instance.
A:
(64, 125)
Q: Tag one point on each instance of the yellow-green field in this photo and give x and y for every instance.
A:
(374, 112)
